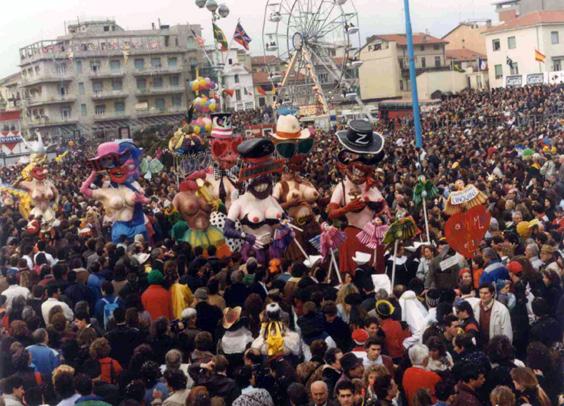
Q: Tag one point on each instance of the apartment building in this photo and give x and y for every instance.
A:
(98, 78)
(235, 65)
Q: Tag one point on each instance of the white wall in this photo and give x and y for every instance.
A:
(445, 81)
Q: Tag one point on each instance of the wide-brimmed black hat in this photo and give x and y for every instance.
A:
(360, 138)
(255, 148)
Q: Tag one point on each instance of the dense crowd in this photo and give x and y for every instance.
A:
(85, 321)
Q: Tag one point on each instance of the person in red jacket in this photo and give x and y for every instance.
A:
(417, 377)
(394, 331)
(156, 299)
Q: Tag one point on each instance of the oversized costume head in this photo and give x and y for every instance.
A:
(121, 159)
(362, 150)
(223, 142)
(292, 142)
(37, 158)
(258, 166)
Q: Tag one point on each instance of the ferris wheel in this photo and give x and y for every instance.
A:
(310, 49)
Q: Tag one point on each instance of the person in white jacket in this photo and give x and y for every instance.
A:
(489, 311)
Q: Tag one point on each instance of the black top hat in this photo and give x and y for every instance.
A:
(360, 138)
(255, 148)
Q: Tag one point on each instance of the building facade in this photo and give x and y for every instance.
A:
(384, 72)
(265, 71)
(98, 78)
(468, 35)
(236, 78)
(512, 46)
(10, 96)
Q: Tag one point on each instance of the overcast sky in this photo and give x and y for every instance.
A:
(28, 21)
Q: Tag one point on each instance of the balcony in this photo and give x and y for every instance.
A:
(47, 122)
(106, 74)
(157, 70)
(161, 112)
(157, 91)
(114, 94)
(48, 78)
(110, 116)
(420, 70)
(50, 100)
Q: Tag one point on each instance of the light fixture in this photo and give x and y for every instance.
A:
(201, 3)
(223, 10)
(211, 5)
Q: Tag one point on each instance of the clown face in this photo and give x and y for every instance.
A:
(357, 167)
(39, 173)
(224, 151)
(120, 160)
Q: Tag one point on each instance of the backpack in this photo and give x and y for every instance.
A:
(109, 310)
(274, 339)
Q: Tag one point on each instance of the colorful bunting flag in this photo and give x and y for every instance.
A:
(220, 38)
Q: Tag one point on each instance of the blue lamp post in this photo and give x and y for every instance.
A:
(413, 78)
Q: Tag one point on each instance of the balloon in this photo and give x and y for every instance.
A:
(208, 81)
(195, 86)
(208, 127)
(213, 107)
(202, 83)
(204, 101)
(196, 129)
(197, 101)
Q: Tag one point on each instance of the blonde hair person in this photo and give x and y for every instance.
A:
(370, 375)
(528, 388)
(502, 396)
(343, 308)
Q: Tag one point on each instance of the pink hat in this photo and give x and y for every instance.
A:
(106, 148)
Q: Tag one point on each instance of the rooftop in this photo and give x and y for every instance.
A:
(264, 60)
(463, 54)
(419, 38)
(530, 20)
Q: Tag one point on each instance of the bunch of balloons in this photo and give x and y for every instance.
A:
(204, 104)
(201, 125)
(201, 84)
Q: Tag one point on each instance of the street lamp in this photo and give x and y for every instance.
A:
(217, 11)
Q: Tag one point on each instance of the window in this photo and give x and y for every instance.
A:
(61, 69)
(511, 43)
(78, 65)
(63, 91)
(238, 94)
(158, 82)
(423, 62)
(498, 71)
(65, 113)
(156, 62)
(554, 38)
(436, 47)
(100, 109)
(141, 83)
(262, 102)
(37, 70)
(401, 85)
(236, 78)
(97, 86)
(119, 107)
(230, 61)
(81, 88)
(174, 80)
(496, 45)
(95, 66)
(115, 65)
(422, 47)
(117, 84)
(83, 110)
(558, 63)
(514, 68)
(172, 62)
(437, 61)
(160, 104)
(177, 100)
(139, 63)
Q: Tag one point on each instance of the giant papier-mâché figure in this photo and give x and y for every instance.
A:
(122, 197)
(356, 200)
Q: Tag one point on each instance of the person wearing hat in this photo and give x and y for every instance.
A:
(352, 366)
(258, 212)
(297, 195)
(394, 332)
(356, 199)
(236, 337)
(156, 299)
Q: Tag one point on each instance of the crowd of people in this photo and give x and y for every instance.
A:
(146, 322)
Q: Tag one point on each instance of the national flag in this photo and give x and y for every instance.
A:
(241, 36)
(199, 40)
(482, 64)
(261, 91)
(539, 56)
(220, 38)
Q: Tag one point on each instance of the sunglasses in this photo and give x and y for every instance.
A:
(347, 157)
(289, 149)
(110, 161)
(220, 147)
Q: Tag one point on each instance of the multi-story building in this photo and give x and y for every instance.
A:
(98, 77)
(468, 35)
(510, 9)
(266, 70)
(10, 98)
(236, 77)
(384, 72)
(513, 48)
